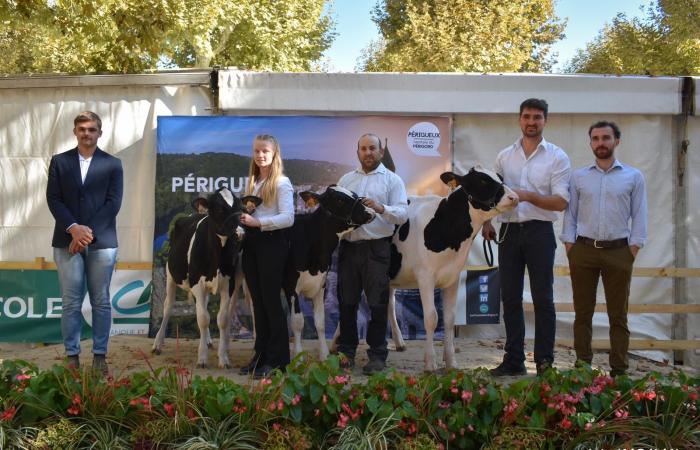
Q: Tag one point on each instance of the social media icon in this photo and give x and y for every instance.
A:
(483, 288)
(483, 279)
(484, 298)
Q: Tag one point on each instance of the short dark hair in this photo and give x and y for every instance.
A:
(88, 116)
(604, 124)
(535, 103)
(379, 141)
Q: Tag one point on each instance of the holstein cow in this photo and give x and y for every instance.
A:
(430, 250)
(203, 253)
(313, 238)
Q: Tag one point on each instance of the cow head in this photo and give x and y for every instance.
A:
(224, 210)
(342, 204)
(484, 188)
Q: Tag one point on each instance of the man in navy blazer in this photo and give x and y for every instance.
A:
(84, 194)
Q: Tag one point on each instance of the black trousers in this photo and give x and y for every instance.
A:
(363, 266)
(264, 257)
(529, 244)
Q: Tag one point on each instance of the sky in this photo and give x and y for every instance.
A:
(585, 18)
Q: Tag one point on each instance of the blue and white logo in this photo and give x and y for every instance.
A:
(484, 298)
(484, 308)
(483, 279)
(483, 288)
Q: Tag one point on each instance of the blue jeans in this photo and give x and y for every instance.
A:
(529, 244)
(92, 269)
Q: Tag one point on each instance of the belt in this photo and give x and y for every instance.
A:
(615, 243)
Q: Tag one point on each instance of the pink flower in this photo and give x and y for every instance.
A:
(482, 391)
(444, 405)
(75, 410)
(317, 412)
(341, 379)
(343, 421)
(22, 377)
(265, 382)
(588, 426)
(454, 390)
(276, 426)
(76, 399)
(169, 409)
(296, 399)
(466, 396)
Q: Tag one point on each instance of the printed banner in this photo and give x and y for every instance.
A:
(197, 155)
(483, 296)
(31, 305)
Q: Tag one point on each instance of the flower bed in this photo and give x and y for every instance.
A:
(317, 405)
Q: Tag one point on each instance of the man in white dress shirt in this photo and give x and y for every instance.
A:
(364, 253)
(538, 171)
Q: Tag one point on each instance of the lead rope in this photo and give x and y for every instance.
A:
(488, 251)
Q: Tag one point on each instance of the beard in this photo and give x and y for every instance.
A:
(603, 152)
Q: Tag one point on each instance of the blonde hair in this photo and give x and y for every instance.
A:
(268, 190)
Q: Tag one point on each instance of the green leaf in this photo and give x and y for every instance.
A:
(315, 392)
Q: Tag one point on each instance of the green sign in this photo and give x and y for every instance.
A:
(31, 305)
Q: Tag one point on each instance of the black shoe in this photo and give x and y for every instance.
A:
(508, 370)
(347, 362)
(263, 371)
(617, 373)
(374, 366)
(250, 367)
(73, 362)
(99, 364)
(542, 367)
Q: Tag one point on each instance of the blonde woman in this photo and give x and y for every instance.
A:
(265, 253)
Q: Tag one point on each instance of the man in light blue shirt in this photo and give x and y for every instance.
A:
(605, 225)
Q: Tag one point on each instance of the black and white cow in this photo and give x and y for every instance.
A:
(430, 250)
(203, 254)
(313, 238)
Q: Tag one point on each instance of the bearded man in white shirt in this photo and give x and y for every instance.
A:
(365, 252)
(538, 171)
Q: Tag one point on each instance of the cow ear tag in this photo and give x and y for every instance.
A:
(310, 198)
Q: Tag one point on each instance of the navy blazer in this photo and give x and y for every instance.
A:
(94, 203)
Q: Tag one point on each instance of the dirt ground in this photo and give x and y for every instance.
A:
(129, 354)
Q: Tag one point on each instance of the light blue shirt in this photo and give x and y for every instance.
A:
(607, 205)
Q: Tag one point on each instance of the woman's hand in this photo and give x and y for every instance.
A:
(249, 221)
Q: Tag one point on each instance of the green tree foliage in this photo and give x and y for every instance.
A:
(664, 42)
(463, 36)
(127, 36)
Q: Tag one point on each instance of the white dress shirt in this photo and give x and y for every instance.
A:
(281, 214)
(84, 166)
(385, 187)
(545, 172)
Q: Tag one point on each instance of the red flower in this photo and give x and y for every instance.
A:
(565, 423)
(22, 377)
(75, 410)
(76, 399)
(8, 414)
(693, 396)
(169, 409)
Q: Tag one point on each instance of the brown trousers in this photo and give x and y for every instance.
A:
(587, 264)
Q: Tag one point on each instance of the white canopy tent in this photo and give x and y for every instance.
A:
(36, 120)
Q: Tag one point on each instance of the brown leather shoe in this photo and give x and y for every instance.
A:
(72, 362)
(99, 363)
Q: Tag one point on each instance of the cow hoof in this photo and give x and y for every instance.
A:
(401, 348)
(201, 365)
(226, 366)
(210, 344)
(156, 351)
